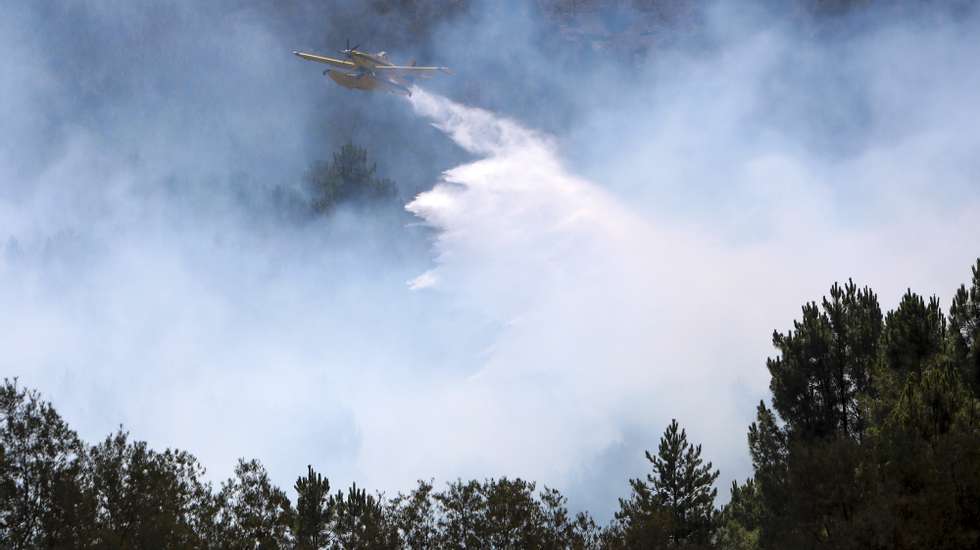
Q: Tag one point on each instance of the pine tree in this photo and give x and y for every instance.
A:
(512, 517)
(964, 331)
(312, 513)
(808, 470)
(914, 336)
(769, 451)
(879, 443)
(42, 501)
(675, 505)
(740, 520)
(561, 531)
(254, 512)
(145, 497)
(462, 509)
(414, 517)
(348, 178)
(360, 522)
(825, 364)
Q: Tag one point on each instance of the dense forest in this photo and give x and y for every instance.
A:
(872, 440)
(869, 437)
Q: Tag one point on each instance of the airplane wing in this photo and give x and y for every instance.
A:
(327, 60)
(409, 69)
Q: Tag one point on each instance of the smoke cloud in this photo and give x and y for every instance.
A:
(615, 234)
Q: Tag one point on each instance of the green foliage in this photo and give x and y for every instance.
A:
(413, 516)
(254, 513)
(873, 441)
(914, 337)
(931, 479)
(768, 448)
(313, 515)
(825, 364)
(360, 521)
(964, 331)
(563, 531)
(348, 179)
(462, 506)
(146, 498)
(931, 406)
(880, 442)
(501, 513)
(511, 516)
(41, 469)
(675, 506)
(741, 519)
(495, 513)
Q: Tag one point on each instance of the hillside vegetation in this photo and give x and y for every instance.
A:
(871, 440)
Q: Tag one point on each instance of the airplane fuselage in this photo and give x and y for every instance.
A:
(369, 60)
(365, 78)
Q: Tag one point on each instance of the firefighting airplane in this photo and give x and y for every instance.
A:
(371, 71)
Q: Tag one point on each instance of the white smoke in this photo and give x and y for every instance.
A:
(599, 331)
(612, 322)
(585, 288)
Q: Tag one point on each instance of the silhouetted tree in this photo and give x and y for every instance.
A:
(414, 517)
(674, 507)
(505, 513)
(42, 503)
(313, 515)
(562, 530)
(914, 336)
(348, 179)
(964, 331)
(930, 468)
(360, 522)
(512, 517)
(880, 444)
(462, 509)
(254, 512)
(146, 498)
(825, 364)
(740, 520)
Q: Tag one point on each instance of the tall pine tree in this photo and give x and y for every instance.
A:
(312, 511)
(964, 331)
(674, 506)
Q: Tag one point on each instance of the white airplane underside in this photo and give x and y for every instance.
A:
(367, 71)
(365, 81)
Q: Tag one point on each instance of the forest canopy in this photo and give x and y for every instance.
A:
(871, 440)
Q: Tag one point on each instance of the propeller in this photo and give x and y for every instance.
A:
(349, 52)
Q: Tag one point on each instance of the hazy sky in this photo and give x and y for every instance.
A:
(612, 241)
